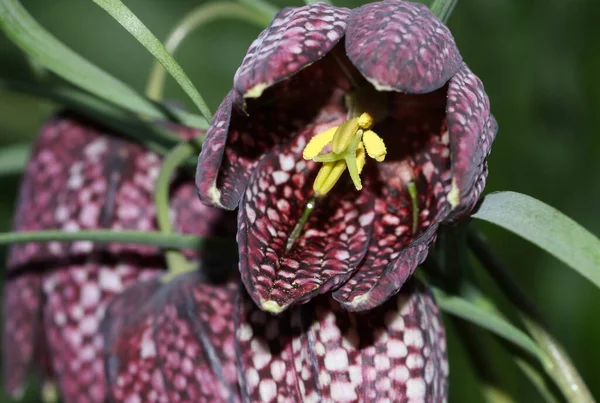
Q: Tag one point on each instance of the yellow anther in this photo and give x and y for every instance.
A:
(374, 145)
(365, 121)
(344, 135)
(356, 165)
(360, 157)
(317, 143)
(328, 176)
(350, 143)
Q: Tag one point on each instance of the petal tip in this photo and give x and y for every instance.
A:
(214, 196)
(454, 195)
(50, 393)
(271, 307)
(256, 91)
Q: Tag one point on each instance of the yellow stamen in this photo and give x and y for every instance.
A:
(360, 157)
(328, 176)
(365, 121)
(317, 143)
(344, 135)
(374, 145)
(350, 143)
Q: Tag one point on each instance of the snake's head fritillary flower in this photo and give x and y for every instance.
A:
(349, 136)
(83, 177)
(196, 341)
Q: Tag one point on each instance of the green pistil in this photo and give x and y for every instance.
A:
(412, 191)
(310, 206)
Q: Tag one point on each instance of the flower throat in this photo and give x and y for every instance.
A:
(350, 143)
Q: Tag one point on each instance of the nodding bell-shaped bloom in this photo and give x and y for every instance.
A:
(349, 136)
(82, 177)
(193, 340)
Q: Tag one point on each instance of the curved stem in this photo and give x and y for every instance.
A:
(443, 8)
(154, 238)
(559, 366)
(266, 9)
(124, 16)
(176, 262)
(198, 17)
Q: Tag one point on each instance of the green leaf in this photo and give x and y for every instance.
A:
(160, 239)
(13, 159)
(486, 319)
(261, 6)
(135, 27)
(196, 18)
(42, 46)
(443, 8)
(546, 227)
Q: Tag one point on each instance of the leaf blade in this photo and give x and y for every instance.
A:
(547, 228)
(124, 16)
(41, 45)
(486, 319)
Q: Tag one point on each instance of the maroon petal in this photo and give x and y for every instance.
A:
(178, 346)
(295, 39)
(472, 129)
(377, 280)
(22, 328)
(83, 178)
(236, 141)
(320, 352)
(401, 46)
(418, 153)
(332, 243)
(227, 195)
(23, 339)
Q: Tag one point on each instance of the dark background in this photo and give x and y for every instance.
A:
(539, 61)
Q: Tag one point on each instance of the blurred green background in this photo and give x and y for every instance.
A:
(539, 61)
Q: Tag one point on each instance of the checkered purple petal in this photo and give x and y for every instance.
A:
(401, 46)
(295, 39)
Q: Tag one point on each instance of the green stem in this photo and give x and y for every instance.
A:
(176, 262)
(159, 239)
(558, 365)
(443, 8)
(198, 17)
(263, 7)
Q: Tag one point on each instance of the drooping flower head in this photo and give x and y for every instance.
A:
(349, 136)
(192, 340)
(83, 177)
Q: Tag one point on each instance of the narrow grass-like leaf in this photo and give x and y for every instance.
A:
(135, 27)
(152, 136)
(160, 239)
(546, 227)
(470, 312)
(443, 8)
(196, 18)
(263, 7)
(13, 159)
(41, 45)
